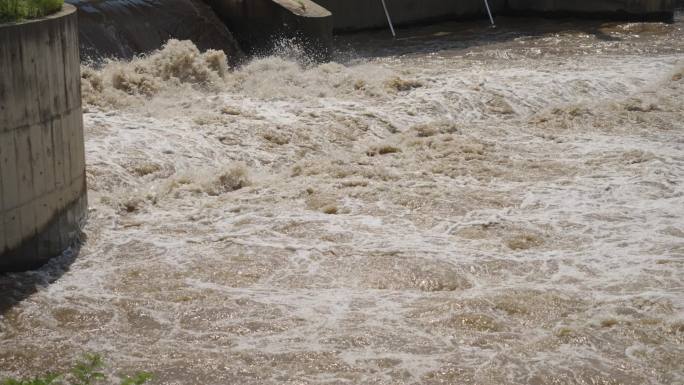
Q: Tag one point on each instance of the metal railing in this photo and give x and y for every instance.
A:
(391, 25)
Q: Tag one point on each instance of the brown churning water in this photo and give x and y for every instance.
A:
(462, 206)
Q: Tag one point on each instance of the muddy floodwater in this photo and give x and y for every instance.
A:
(463, 205)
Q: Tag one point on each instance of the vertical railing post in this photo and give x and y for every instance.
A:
(489, 12)
(389, 19)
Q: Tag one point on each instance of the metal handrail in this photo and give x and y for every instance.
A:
(389, 18)
(489, 12)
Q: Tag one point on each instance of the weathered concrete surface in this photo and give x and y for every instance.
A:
(638, 9)
(42, 159)
(260, 25)
(349, 15)
(125, 28)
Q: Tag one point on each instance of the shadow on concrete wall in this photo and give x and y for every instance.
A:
(16, 287)
(125, 28)
(463, 35)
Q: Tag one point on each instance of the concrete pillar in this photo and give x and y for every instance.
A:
(42, 159)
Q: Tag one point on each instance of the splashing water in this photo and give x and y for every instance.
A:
(451, 211)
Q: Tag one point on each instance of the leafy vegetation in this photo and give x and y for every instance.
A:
(16, 10)
(88, 371)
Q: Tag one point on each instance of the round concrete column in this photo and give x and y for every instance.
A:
(42, 159)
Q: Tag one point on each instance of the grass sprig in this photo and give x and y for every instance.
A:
(89, 370)
(17, 10)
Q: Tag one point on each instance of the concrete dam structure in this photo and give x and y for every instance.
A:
(258, 23)
(42, 161)
(124, 28)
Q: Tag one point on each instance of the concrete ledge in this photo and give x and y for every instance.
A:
(261, 25)
(42, 157)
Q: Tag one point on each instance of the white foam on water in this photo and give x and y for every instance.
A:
(487, 216)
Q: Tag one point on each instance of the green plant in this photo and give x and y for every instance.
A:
(87, 371)
(16, 10)
(47, 380)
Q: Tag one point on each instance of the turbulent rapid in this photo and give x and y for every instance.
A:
(472, 207)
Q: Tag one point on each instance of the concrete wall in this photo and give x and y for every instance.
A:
(638, 9)
(124, 28)
(260, 25)
(349, 15)
(42, 165)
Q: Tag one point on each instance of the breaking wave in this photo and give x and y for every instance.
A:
(180, 67)
(178, 63)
